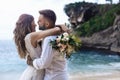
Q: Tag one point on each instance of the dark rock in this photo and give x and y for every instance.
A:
(80, 12)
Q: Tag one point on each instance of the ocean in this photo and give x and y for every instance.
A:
(82, 62)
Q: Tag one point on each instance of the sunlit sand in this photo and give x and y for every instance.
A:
(96, 76)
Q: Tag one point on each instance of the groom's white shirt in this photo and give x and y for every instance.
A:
(51, 60)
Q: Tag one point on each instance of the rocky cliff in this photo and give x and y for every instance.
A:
(80, 12)
(107, 38)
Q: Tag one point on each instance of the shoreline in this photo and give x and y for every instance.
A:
(96, 76)
(114, 75)
(107, 52)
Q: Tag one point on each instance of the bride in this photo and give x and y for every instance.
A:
(26, 40)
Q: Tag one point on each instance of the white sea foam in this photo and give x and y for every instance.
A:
(115, 64)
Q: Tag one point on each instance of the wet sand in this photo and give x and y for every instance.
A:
(96, 76)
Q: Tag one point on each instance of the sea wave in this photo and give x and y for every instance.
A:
(83, 62)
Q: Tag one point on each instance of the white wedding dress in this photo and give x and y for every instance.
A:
(30, 72)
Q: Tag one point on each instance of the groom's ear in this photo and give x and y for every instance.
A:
(47, 23)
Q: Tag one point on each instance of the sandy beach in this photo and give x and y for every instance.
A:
(77, 76)
(96, 76)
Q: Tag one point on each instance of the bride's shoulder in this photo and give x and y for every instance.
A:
(27, 37)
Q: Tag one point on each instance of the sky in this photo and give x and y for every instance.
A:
(10, 10)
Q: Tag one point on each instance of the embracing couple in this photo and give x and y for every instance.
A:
(44, 62)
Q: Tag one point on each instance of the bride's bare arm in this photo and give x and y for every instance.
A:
(42, 34)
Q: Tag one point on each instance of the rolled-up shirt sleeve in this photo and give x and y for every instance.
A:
(46, 57)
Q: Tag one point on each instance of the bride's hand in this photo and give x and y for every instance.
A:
(64, 28)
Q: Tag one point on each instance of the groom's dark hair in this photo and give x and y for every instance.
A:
(49, 14)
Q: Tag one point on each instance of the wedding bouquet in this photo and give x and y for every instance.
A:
(66, 44)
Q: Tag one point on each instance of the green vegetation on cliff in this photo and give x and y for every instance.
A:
(102, 20)
(99, 22)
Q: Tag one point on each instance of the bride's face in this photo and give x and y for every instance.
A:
(33, 26)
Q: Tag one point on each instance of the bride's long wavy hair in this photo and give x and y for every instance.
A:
(23, 27)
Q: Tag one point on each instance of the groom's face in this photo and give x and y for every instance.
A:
(42, 22)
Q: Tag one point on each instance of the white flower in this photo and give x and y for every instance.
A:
(65, 39)
(59, 37)
(65, 34)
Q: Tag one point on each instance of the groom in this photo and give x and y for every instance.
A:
(50, 60)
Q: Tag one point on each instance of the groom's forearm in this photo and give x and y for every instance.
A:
(44, 61)
(37, 65)
(41, 63)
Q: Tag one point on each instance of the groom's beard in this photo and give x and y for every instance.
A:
(42, 28)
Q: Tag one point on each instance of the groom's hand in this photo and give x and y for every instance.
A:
(29, 60)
